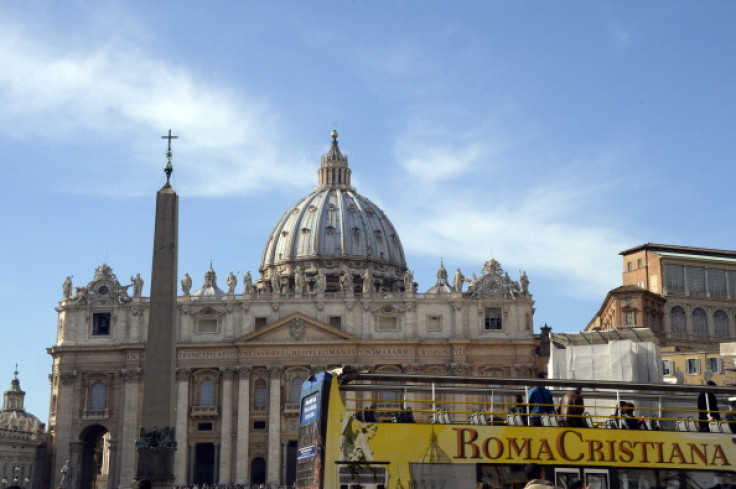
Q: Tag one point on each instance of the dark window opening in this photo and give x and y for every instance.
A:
(101, 324)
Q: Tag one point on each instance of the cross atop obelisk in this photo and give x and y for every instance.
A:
(169, 167)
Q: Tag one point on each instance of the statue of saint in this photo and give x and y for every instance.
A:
(524, 284)
(232, 282)
(248, 283)
(66, 288)
(186, 284)
(320, 282)
(67, 475)
(457, 281)
(367, 277)
(408, 281)
(298, 280)
(346, 281)
(137, 285)
(275, 281)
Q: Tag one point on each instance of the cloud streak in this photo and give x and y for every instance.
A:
(117, 88)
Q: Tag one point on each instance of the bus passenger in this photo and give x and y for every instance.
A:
(577, 484)
(708, 409)
(730, 416)
(572, 409)
(520, 408)
(625, 411)
(540, 402)
(537, 477)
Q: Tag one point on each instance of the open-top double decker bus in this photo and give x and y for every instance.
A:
(402, 431)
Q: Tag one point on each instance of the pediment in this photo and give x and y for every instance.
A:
(296, 328)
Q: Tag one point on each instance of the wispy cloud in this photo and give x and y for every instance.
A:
(545, 227)
(119, 88)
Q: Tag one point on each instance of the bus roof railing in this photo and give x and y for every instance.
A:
(352, 377)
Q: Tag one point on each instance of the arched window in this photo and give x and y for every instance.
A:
(97, 397)
(720, 319)
(260, 397)
(700, 321)
(677, 319)
(295, 390)
(207, 393)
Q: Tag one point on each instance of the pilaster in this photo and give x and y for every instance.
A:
(274, 427)
(242, 454)
(182, 418)
(226, 427)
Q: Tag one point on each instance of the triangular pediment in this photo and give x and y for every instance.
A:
(296, 328)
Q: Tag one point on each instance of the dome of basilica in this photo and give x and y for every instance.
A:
(334, 238)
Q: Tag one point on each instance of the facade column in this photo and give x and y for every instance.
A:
(274, 427)
(242, 454)
(64, 408)
(182, 418)
(192, 461)
(112, 466)
(226, 428)
(130, 425)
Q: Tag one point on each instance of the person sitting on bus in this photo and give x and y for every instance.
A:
(540, 402)
(625, 416)
(707, 409)
(537, 477)
(405, 416)
(572, 409)
(369, 415)
(520, 409)
(730, 415)
(577, 484)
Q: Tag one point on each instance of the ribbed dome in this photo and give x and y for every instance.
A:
(336, 230)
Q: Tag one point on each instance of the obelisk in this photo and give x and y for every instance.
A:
(157, 441)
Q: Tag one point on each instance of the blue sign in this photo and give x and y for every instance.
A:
(310, 408)
(305, 452)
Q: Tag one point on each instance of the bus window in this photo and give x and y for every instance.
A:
(597, 478)
(563, 476)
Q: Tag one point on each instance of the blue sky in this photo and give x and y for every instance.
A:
(549, 135)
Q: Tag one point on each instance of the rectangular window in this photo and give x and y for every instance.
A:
(260, 322)
(336, 322)
(204, 426)
(667, 367)
(434, 324)
(101, 324)
(388, 323)
(714, 365)
(692, 366)
(731, 283)
(674, 279)
(629, 318)
(207, 326)
(628, 266)
(696, 280)
(259, 425)
(493, 319)
(716, 282)
(639, 263)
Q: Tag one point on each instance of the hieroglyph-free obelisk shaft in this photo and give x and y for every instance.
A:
(157, 440)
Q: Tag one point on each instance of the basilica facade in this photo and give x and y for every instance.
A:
(333, 289)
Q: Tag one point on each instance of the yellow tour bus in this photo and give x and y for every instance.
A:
(403, 431)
